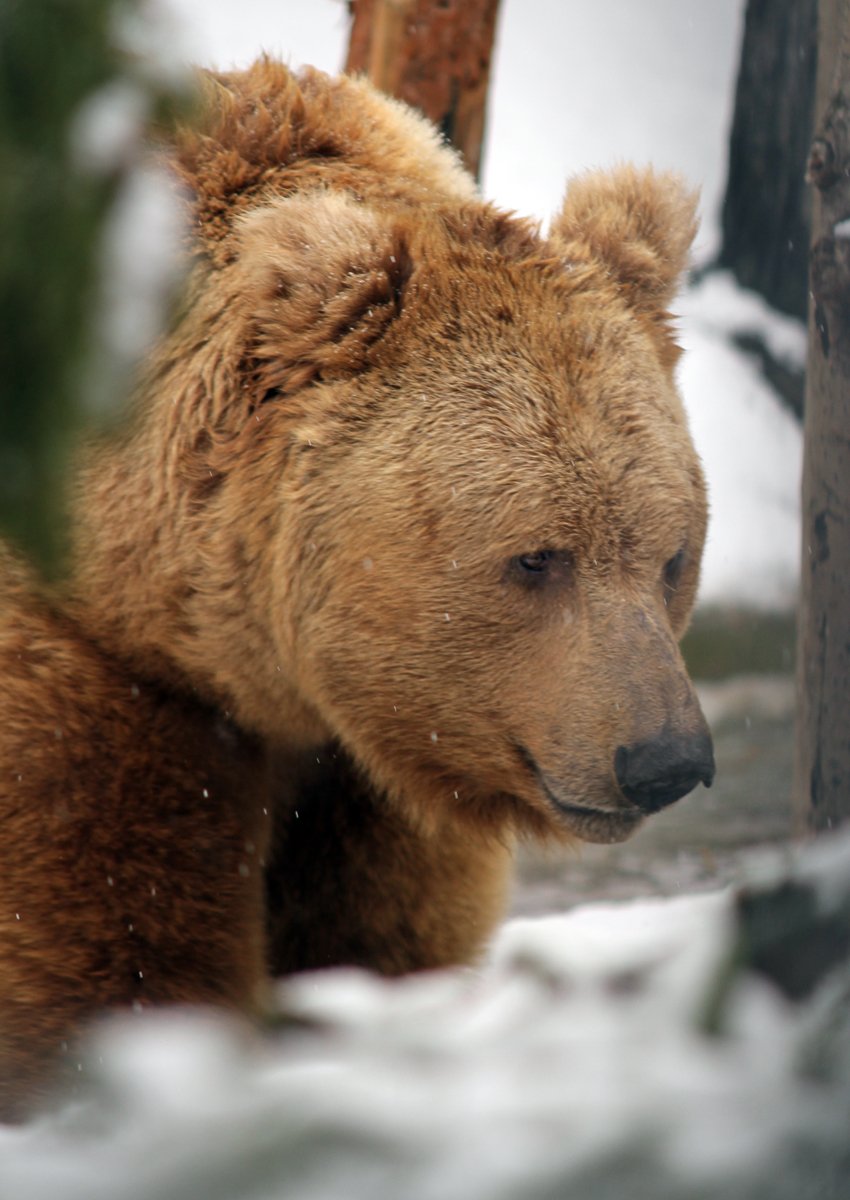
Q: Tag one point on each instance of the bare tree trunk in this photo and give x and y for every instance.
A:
(435, 55)
(822, 770)
(766, 210)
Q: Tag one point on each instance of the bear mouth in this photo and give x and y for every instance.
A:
(590, 822)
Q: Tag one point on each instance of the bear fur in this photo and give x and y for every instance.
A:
(387, 570)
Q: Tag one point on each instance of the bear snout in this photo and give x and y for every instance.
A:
(657, 772)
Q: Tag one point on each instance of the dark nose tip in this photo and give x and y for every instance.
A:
(657, 772)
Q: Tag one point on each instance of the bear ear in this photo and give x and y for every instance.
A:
(324, 276)
(638, 225)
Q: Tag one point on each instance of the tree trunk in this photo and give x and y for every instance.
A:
(766, 207)
(433, 54)
(822, 769)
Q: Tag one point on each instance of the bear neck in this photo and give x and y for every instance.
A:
(182, 597)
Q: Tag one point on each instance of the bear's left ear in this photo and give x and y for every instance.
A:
(638, 225)
(323, 276)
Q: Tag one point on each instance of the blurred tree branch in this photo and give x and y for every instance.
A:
(58, 182)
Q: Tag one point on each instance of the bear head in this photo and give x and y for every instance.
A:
(414, 479)
(489, 513)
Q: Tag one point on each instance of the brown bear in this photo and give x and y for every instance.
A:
(388, 569)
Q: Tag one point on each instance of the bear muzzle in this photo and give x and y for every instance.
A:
(655, 773)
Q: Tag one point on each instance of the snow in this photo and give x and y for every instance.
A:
(728, 310)
(751, 446)
(107, 125)
(575, 1062)
(140, 249)
(151, 36)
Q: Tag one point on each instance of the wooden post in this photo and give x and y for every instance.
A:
(433, 54)
(822, 768)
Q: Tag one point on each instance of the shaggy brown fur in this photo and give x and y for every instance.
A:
(302, 585)
(129, 828)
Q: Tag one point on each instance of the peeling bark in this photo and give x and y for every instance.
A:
(433, 54)
(822, 768)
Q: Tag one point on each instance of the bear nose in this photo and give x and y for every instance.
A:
(657, 772)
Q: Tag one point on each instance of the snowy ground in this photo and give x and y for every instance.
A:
(576, 1063)
(638, 1051)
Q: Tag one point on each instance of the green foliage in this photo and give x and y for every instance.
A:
(56, 56)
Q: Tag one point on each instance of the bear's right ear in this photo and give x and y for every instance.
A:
(637, 225)
(324, 277)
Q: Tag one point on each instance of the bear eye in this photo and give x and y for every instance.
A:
(672, 574)
(535, 563)
(539, 568)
